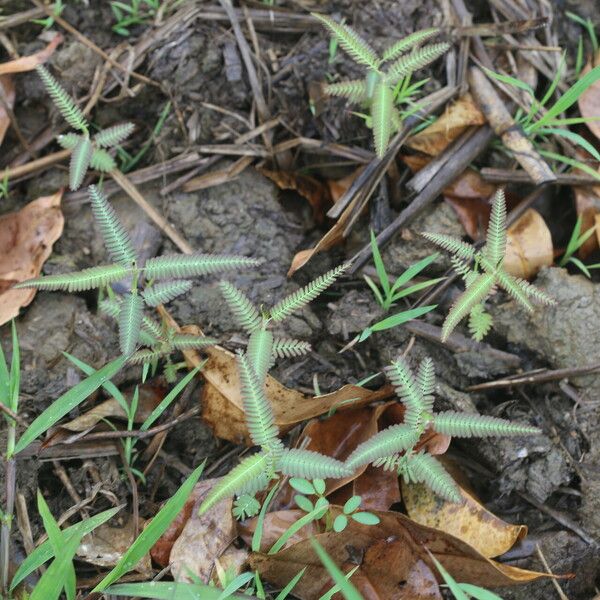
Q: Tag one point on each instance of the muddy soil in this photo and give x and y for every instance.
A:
(200, 68)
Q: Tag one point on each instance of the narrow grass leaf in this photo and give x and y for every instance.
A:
(67, 402)
(510, 81)
(379, 265)
(456, 590)
(285, 592)
(169, 590)
(44, 552)
(241, 580)
(148, 537)
(315, 514)
(260, 521)
(478, 592)
(346, 587)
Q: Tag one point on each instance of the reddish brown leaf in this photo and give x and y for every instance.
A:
(396, 546)
(26, 239)
(314, 191)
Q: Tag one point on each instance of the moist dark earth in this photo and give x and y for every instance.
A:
(201, 73)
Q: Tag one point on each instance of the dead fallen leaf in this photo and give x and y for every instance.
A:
(161, 551)
(222, 406)
(395, 537)
(335, 235)
(589, 101)
(106, 545)
(275, 524)
(232, 561)
(469, 521)
(452, 123)
(150, 395)
(529, 245)
(203, 538)
(8, 93)
(26, 239)
(29, 63)
(587, 204)
(315, 192)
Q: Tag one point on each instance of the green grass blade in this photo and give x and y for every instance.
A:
(260, 521)
(57, 541)
(44, 552)
(448, 579)
(169, 590)
(166, 401)
(148, 537)
(415, 288)
(241, 580)
(346, 587)
(108, 386)
(401, 318)
(51, 582)
(571, 162)
(329, 594)
(568, 98)
(379, 266)
(554, 83)
(478, 592)
(67, 402)
(284, 593)
(580, 266)
(4, 379)
(573, 137)
(413, 271)
(296, 526)
(15, 371)
(510, 81)
(380, 300)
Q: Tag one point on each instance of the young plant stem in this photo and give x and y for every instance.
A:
(10, 473)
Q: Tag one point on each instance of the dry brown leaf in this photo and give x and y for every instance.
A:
(335, 235)
(106, 545)
(161, 551)
(8, 93)
(395, 535)
(203, 538)
(274, 525)
(589, 101)
(232, 561)
(441, 133)
(587, 204)
(29, 63)
(149, 398)
(315, 192)
(529, 245)
(26, 239)
(469, 521)
(222, 406)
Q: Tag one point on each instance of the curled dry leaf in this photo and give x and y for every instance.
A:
(203, 538)
(389, 553)
(529, 245)
(315, 192)
(589, 101)
(7, 92)
(587, 204)
(191, 544)
(222, 406)
(106, 545)
(29, 63)
(435, 138)
(469, 521)
(26, 239)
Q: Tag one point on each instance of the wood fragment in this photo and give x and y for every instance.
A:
(507, 129)
(505, 176)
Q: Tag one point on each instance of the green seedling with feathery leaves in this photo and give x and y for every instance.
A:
(254, 473)
(394, 448)
(483, 270)
(174, 269)
(86, 151)
(384, 74)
